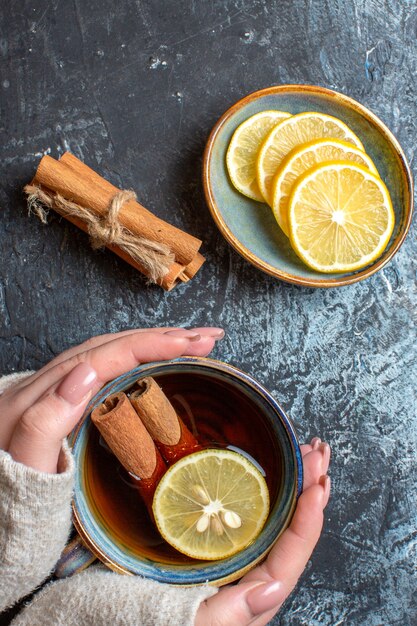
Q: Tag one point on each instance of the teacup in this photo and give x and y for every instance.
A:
(227, 408)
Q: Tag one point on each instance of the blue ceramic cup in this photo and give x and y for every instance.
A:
(201, 385)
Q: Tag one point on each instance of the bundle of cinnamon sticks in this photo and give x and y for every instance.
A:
(163, 253)
(145, 433)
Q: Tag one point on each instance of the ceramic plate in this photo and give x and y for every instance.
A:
(250, 226)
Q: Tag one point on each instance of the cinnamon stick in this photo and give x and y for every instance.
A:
(133, 215)
(76, 182)
(131, 443)
(169, 432)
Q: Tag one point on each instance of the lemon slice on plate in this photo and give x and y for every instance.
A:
(340, 217)
(243, 150)
(303, 158)
(289, 134)
(211, 504)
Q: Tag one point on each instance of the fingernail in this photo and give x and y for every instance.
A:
(265, 597)
(183, 333)
(325, 450)
(315, 442)
(210, 331)
(77, 383)
(325, 482)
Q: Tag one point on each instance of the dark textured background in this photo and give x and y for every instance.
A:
(133, 88)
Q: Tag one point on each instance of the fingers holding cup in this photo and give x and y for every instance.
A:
(109, 359)
(37, 439)
(316, 461)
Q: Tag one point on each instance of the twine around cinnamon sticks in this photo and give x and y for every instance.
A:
(164, 254)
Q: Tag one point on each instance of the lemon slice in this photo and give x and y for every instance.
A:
(243, 150)
(211, 504)
(303, 158)
(340, 217)
(290, 133)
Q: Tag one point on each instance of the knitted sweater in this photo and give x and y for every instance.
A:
(35, 521)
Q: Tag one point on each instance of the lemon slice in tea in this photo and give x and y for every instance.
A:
(211, 504)
(340, 217)
(243, 150)
(302, 159)
(289, 134)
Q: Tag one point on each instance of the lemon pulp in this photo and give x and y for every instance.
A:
(290, 133)
(300, 160)
(243, 150)
(211, 504)
(340, 217)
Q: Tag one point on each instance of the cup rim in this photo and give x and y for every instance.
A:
(233, 567)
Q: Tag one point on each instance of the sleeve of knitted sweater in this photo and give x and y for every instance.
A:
(35, 520)
(12, 379)
(34, 524)
(98, 597)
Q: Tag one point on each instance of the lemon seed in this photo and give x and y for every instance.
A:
(231, 519)
(202, 523)
(216, 525)
(200, 494)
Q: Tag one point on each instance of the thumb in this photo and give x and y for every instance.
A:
(37, 438)
(239, 605)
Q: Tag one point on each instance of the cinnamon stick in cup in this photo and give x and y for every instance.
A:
(169, 432)
(130, 442)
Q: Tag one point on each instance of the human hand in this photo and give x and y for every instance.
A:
(259, 594)
(37, 413)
